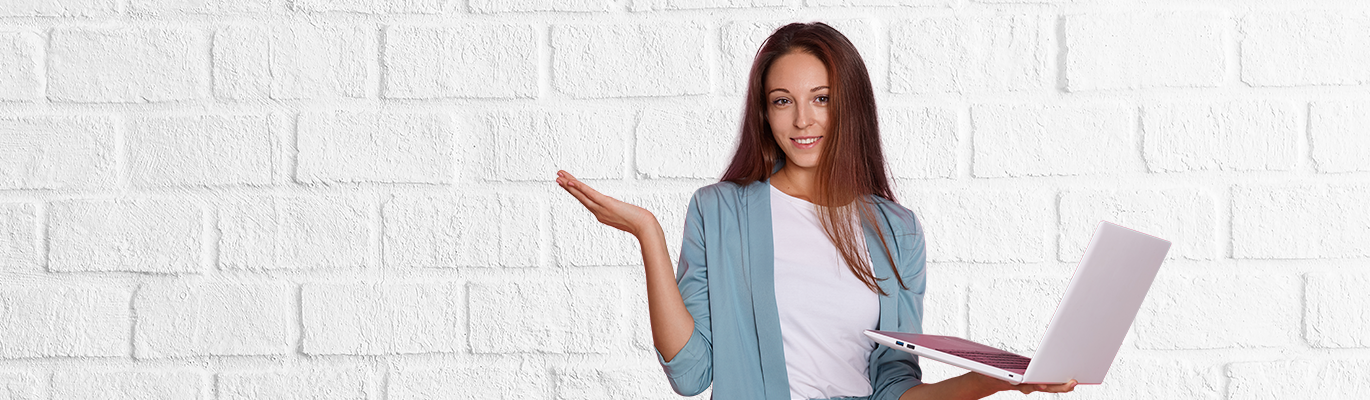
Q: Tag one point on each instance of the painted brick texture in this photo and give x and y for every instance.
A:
(354, 199)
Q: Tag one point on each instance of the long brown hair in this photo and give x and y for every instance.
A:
(851, 167)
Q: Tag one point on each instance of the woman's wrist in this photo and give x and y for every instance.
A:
(648, 229)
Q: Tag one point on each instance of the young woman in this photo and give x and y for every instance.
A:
(798, 250)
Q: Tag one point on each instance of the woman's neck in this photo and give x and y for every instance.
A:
(796, 182)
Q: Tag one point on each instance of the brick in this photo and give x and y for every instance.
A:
(19, 251)
(293, 62)
(64, 8)
(207, 318)
(979, 226)
(1185, 217)
(662, 59)
(351, 146)
(375, 6)
(944, 301)
(23, 386)
(127, 64)
(1012, 313)
(1137, 377)
(1129, 50)
(1314, 47)
(466, 61)
(1338, 314)
(295, 233)
(63, 321)
(383, 318)
(686, 143)
(534, 144)
(971, 54)
(1338, 135)
(660, 5)
(1227, 136)
(467, 230)
(581, 240)
(221, 7)
(1219, 311)
(616, 383)
(51, 152)
(136, 384)
(311, 384)
(21, 57)
(133, 235)
(1053, 140)
(201, 150)
(495, 382)
(1299, 378)
(876, 3)
(502, 6)
(742, 40)
(549, 315)
(919, 142)
(1300, 222)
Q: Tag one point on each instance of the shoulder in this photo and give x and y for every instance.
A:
(721, 194)
(901, 219)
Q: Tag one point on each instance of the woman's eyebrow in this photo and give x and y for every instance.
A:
(777, 90)
(818, 88)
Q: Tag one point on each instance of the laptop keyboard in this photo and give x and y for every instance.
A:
(1000, 360)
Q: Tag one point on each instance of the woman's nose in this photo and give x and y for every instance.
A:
(803, 116)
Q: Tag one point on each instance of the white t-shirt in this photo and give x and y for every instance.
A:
(823, 307)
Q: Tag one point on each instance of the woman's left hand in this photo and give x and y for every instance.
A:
(1026, 388)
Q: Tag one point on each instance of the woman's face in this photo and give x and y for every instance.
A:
(797, 107)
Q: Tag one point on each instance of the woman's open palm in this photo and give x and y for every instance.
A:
(608, 210)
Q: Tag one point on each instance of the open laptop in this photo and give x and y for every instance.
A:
(1089, 325)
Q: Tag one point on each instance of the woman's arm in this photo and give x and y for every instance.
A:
(672, 324)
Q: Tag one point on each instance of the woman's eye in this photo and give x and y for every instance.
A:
(822, 99)
(780, 101)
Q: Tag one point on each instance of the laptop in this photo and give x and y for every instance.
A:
(1089, 325)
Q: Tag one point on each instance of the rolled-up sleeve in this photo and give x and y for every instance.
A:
(691, 370)
(897, 371)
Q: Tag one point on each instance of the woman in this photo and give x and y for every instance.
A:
(789, 258)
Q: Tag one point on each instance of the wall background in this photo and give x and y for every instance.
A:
(218, 199)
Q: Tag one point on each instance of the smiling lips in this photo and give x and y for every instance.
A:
(807, 142)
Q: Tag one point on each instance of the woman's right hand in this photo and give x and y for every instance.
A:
(608, 210)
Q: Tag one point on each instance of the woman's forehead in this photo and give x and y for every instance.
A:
(796, 71)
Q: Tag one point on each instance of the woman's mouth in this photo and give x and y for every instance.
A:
(807, 142)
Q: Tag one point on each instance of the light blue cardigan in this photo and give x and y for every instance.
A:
(730, 291)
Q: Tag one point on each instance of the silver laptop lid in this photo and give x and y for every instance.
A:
(1099, 305)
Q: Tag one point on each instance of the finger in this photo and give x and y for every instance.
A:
(1062, 388)
(586, 201)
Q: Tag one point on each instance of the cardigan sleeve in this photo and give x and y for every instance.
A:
(896, 371)
(691, 370)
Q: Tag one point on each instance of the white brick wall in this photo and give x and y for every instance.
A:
(127, 64)
(184, 319)
(971, 54)
(58, 152)
(382, 318)
(201, 150)
(128, 384)
(352, 199)
(317, 384)
(20, 55)
(485, 60)
(299, 61)
(19, 251)
(134, 235)
(1138, 49)
(43, 321)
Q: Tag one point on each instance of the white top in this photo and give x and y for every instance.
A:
(823, 307)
